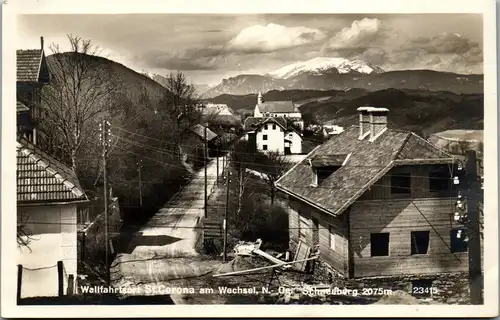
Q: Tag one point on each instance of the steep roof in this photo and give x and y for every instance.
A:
(252, 123)
(42, 178)
(366, 162)
(278, 107)
(29, 64)
(199, 130)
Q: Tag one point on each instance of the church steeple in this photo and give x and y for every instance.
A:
(259, 98)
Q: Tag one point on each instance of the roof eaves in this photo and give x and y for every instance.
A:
(39, 66)
(312, 204)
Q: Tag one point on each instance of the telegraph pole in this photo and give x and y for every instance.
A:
(139, 163)
(205, 165)
(217, 159)
(473, 229)
(224, 224)
(105, 134)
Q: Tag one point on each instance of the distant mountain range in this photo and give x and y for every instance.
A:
(343, 74)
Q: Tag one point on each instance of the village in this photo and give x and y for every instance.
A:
(128, 189)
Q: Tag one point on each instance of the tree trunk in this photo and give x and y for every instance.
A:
(273, 195)
(241, 189)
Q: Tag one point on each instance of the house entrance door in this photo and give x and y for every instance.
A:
(287, 150)
(315, 231)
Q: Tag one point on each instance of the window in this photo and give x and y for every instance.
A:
(457, 240)
(332, 239)
(303, 226)
(379, 243)
(400, 183)
(265, 127)
(264, 147)
(439, 181)
(274, 127)
(264, 137)
(419, 242)
(324, 172)
(290, 135)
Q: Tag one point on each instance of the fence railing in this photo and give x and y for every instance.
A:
(46, 281)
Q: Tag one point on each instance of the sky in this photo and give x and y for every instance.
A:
(209, 48)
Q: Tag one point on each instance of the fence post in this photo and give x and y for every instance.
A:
(60, 278)
(19, 281)
(70, 290)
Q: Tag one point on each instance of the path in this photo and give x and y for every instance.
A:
(164, 249)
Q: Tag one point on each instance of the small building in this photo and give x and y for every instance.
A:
(377, 202)
(32, 75)
(280, 109)
(273, 134)
(49, 197)
(332, 130)
(194, 143)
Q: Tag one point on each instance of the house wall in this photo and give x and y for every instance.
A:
(275, 138)
(54, 238)
(419, 184)
(399, 217)
(296, 146)
(328, 227)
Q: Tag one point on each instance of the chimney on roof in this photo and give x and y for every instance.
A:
(378, 122)
(41, 42)
(364, 121)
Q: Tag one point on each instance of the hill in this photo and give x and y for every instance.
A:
(374, 81)
(417, 110)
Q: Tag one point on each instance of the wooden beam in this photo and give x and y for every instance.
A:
(269, 257)
(262, 268)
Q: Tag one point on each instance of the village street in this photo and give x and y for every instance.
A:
(164, 249)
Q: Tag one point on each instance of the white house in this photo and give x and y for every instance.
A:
(218, 109)
(49, 196)
(283, 109)
(273, 134)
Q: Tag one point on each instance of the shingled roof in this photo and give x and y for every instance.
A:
(43, 179)
(278, 107)
(366, 162)
(29, 64)
(199, 130)
(252, 123)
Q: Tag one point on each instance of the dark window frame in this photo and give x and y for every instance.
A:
(264, 137)
(274, 127)
(264, 147)
(398, 188)
(439, 181)
(420, 242)
(382, 239)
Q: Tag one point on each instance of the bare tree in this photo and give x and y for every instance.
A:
(273, 167)
(82, 91)
(24, 234)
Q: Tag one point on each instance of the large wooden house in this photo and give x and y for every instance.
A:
(32, 74)
(376, 202)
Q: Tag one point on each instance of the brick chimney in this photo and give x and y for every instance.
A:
(378, 122)
(41, 43)
(364, 122)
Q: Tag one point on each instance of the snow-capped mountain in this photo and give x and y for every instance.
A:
(245, 84)
(325, 65)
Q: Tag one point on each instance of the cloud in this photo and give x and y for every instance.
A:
(360, 34)
(272, 37)
(189, 59)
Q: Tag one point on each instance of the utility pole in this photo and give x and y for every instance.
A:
(217, 159)
(205, 164)
(224, 225)
(139, 164)
(105, 138)
(473, 229)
